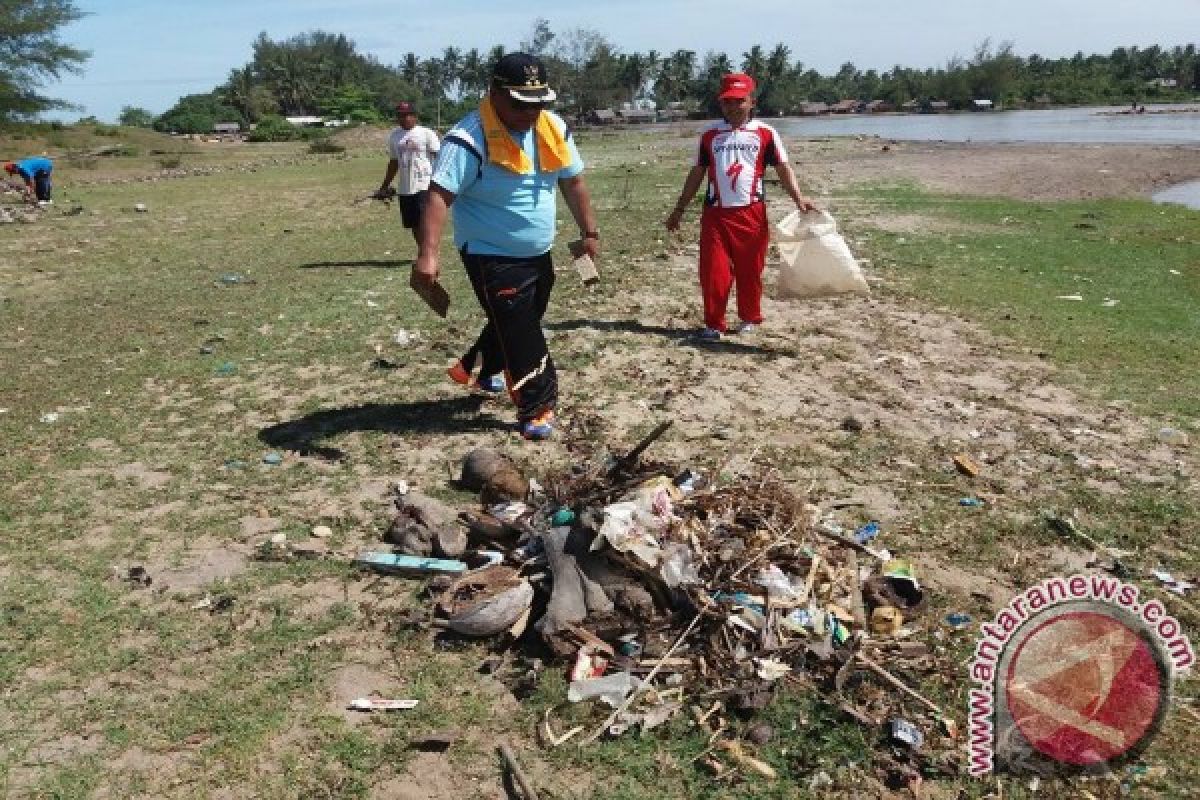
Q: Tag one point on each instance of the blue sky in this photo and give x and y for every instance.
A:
(148, 53)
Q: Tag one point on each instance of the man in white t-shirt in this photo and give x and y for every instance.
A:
(412, 148)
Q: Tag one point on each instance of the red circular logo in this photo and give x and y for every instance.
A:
(1084, 688)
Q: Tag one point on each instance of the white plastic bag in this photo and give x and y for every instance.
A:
(814, 258)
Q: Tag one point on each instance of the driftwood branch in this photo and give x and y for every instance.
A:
(896, 682)
(629, 459)
(518, 774)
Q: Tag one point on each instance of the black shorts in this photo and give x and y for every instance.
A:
(411, 206)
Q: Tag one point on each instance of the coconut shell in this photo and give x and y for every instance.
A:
(478, 466)
(503, 485)
(486, 602)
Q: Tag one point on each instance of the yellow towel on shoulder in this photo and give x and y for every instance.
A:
(503, 150)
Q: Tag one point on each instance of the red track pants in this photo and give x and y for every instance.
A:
(733, 249)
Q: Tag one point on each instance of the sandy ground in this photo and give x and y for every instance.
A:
(1024, 171)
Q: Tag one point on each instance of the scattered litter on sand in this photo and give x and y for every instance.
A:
(661, 593)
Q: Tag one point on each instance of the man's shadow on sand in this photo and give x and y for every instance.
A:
(683, 338)
(307, 434)
(376, 263)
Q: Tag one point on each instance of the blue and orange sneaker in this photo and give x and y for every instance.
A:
(492, 384)
(539, 428)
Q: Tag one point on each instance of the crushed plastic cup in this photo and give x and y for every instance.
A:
(958, 620)
(687, 481)
(798, 621)
(611, 689)
(905, 733)
(867, 532)
(678, 566)
(778, 585)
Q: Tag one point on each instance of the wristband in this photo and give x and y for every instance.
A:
(591, 235)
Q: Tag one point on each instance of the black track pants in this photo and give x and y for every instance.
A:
(514, 293)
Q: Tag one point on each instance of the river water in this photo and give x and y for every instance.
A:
(1093, 125)
(1184, 194)
(1096, 125)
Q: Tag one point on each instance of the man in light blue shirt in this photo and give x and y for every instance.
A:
(497, 173)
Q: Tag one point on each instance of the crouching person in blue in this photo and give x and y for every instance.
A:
(35, 171)
(496, 174)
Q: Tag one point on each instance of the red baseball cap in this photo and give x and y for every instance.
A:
(735, 86)
(405, 108)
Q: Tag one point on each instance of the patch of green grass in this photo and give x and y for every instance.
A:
(75, 781)
(1021, 257)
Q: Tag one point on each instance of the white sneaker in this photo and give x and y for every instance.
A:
(746, 327)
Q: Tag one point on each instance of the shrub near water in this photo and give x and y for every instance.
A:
(274, 129)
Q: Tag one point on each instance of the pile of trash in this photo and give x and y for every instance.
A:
(663, 593)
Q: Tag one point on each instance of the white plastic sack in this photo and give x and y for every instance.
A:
(814, 258)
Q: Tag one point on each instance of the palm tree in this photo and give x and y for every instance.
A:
(410, 68)
(238, 92)
(291, 81)
(676, 77)
(634, 70)
(474, 78)
(754, 63)
(716, 66)
(777, 62)
(451, 70)
(494, 55)
(774, 74)
(431, 79)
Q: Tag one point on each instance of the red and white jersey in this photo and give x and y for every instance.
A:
(735, 159)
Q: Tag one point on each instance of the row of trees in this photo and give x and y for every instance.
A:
(323, 74)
